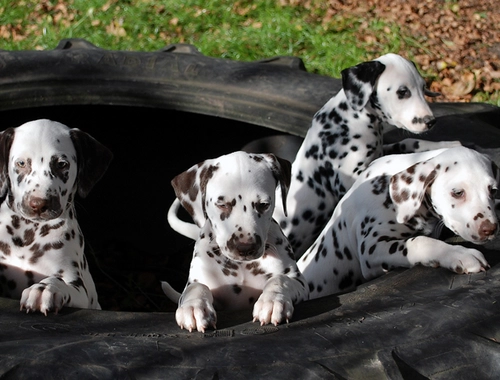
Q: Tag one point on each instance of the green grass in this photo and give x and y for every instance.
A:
(244, 30)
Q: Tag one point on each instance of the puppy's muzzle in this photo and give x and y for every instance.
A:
(41, 208)
(249, 249)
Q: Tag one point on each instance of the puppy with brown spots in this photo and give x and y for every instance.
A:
(241, 257)
(43, 166)
(387, 219)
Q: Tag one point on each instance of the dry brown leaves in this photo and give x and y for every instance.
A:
(457, 43)
(54, 13)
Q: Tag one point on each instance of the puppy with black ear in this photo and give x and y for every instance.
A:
(43, 166)
(346, 136)
(241, 257)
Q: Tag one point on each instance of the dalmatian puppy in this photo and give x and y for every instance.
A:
(241, 257)
(387, 217)
(43, 166)
(346, 135)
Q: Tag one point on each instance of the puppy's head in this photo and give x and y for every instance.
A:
(42, 166)
(235, 193)
(393, 88)
(461, 184)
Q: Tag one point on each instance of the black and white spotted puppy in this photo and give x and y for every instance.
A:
(346, 135)
(386, 219)
(241, 257)
(43, 165)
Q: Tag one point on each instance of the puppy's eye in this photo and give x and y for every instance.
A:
(62, 164)
(223, 206)
(403, 92)
(21, 163)
(458, 193)
(493, 191)
(262, 207)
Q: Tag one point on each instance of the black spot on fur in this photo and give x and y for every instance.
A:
(236, 289)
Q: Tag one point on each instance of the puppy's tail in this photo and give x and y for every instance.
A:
(189, 230)
(172, 294)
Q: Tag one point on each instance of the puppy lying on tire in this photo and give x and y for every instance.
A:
(385, 220)
(241, 257)
(43, 165)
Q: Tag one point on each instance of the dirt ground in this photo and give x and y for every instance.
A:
(456, 43)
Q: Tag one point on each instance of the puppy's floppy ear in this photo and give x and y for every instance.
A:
(282, 171)
(190, 188)
(408, 187)
(93, 159)
(358, 82)
(6, 138)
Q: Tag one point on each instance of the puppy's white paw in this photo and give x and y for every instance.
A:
(272, 307)
(465, 260)
(46, 296)
(196, 314)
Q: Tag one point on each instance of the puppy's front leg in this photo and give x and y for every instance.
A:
(420, 250)
(275, 304)
(434, 253)
(196, 310)
(52, 293)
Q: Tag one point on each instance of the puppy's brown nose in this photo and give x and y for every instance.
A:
(247, 249)
(487, 229)
(38, 205)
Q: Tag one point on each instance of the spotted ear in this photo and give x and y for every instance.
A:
(6, 138)
(358, 82)
(282, 171)
(190, 188)
(93, 160)
(408, 187)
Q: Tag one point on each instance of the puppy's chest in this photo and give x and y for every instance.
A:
(212, 267)
(24, 242)
(238, 284)
(255, 271)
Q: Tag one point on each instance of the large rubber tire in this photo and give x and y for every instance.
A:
(160, 113)
(277, 93)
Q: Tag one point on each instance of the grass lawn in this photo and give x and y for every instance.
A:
(244, 30)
